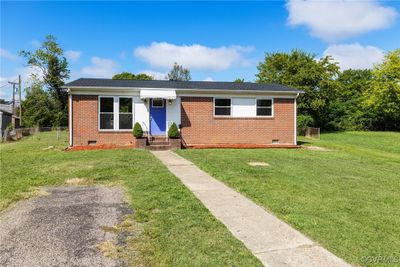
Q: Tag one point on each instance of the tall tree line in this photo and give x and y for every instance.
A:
(338, 100)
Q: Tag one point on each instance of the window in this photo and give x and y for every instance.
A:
(157, 103)
(222, 106)
(264, 107)
(115, 113)
(107, 113)
(125, 113)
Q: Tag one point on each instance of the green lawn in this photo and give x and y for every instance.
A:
(347, 199)
(178, 230)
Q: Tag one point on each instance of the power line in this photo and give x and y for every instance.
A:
(1, 86)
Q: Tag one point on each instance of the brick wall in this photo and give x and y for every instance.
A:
(85, 124)
(200, 127)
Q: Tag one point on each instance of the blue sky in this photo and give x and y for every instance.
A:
(218, 41)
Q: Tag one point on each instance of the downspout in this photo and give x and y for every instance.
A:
(295, 120)
(70, 117)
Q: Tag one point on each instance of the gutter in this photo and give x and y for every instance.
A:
(179, 89)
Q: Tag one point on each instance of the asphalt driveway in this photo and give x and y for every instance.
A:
(61, 228)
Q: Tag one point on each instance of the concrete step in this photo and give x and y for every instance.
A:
(158, 147)
(158, 143)
(158, 138)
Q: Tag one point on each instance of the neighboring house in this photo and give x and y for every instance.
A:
(6, 118)
(209, 114)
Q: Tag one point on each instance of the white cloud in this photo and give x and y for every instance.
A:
(355, 56)
(7, 55)
(73, 55)
(208, 79)
(101, 68)
(192, 56)
(156, 75)
(337, 19)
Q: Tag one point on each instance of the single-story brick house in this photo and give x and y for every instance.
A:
(209, 114)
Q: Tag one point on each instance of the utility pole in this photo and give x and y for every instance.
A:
(13, 102)
(20, 100)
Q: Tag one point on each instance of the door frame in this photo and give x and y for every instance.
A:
(159, 107)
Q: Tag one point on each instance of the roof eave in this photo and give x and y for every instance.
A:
(181, 89)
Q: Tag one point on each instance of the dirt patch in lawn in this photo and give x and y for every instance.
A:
(316, 148)
(78, 181)
(258, 164)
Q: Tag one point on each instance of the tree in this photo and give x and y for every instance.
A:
(3, 101)
(301, 70)
(37, 106)
(238, 80)
(345, 111)
(131, 76)
(49, 59)
(382, 97)
(178, 73)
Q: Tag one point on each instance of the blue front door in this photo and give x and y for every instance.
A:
(157, 117)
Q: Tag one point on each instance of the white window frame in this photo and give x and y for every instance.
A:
(230, 98)
(272, 107)
(131, 113)
(116, 113)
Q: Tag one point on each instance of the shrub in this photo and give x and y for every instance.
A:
(137, 130)
(303, 121)
(173, 131)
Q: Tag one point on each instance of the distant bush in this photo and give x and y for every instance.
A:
(173, 131)
(303, 121)
(137, 130)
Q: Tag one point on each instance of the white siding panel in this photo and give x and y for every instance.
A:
(243, 107)
(141, 113)
(174, 112)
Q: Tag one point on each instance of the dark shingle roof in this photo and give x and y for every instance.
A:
(201, 85)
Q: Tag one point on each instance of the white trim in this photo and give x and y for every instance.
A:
(239, 95)
(219, 116)
(178, 89)
(244, 117)
(272, 107)
(136, 91)
(131, 113)
(295, 121)
(115, 113)
(70, 120)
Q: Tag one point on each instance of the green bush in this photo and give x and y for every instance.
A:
(303, 121)
(10, 127)
(137, 130)
(173, 131)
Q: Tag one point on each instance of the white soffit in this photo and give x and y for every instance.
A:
(165, 94)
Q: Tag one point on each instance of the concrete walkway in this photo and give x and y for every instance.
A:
(271, 240)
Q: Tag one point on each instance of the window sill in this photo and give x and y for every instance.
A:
(114, 131)
(244, 118)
